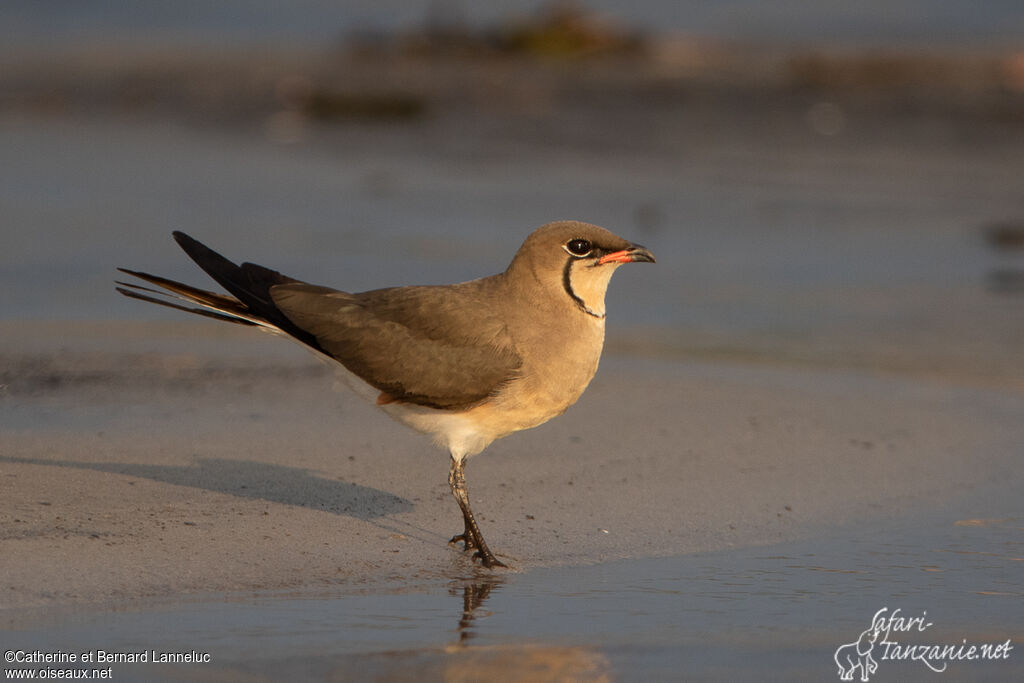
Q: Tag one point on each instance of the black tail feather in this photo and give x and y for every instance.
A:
(249, 285)
(200, 296)
(132, 293)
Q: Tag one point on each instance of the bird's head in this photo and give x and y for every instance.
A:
(576, 260)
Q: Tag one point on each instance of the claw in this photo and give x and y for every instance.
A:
(465, 539)
(488, 560)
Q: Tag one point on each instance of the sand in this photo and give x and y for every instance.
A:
(162, 460)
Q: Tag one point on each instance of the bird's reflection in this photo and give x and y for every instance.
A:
(474, 593)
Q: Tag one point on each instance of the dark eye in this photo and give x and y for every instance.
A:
(579, 247)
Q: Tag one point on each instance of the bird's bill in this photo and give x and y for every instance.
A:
(635, 254)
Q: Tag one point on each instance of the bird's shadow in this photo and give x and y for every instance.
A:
(257, 480)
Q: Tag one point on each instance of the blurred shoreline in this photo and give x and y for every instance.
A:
(561, 59)
(129, 355)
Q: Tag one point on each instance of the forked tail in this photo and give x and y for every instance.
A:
(249, 284)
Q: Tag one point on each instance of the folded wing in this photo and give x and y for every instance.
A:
(418, 345)
(396, 340)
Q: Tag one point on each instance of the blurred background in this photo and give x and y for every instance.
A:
(825, 184)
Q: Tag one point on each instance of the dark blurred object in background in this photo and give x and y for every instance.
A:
(561, 56)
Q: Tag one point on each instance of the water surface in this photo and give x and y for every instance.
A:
(722, 615)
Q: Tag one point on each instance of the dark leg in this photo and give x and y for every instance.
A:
(457, 481)
(471, 536)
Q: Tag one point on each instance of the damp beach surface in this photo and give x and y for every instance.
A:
(235, 507)
(809, 409)
(716, 615)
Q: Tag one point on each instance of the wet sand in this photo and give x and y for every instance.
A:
(132, 475)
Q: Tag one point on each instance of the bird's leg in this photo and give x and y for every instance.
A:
(457, 482)
(471, 536)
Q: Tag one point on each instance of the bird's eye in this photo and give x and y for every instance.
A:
(579, 247)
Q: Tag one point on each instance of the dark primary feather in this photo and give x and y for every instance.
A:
(249, 283)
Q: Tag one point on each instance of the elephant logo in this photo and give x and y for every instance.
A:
(857, 655)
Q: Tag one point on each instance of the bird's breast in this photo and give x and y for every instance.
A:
(555, 372)
(556, 368)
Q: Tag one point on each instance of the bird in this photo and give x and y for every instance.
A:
(466, 363)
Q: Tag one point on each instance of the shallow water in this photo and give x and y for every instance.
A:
(774, 612)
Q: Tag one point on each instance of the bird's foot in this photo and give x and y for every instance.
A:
(483, 553)
(465, 538)
(488, 559)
